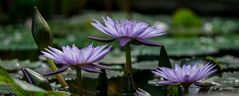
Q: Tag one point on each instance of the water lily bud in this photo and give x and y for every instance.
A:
(35, 78)
(41, 31)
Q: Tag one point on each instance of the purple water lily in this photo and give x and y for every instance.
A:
(185, 75)
(84, 58)
(127, 31)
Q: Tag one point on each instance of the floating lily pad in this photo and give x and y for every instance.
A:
(116, 57)
(16, 64)
(4, 89)
(178, 47)
(228, 61)
(228, 79)
(227, 41)
(145, 65)
(71, 74)
(16, 38)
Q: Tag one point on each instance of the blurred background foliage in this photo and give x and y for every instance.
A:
(197, 31)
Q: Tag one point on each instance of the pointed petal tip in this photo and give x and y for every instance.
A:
(92, 70)
(124, 41)
(103, 40)
(60, 70)
(101, 66)
(146, 42)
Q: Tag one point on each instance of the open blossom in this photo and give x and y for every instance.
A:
(184, 75)
(84, 58)
(127, 31)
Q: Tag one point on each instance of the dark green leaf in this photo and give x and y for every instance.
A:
(164, 59)
(7, 79)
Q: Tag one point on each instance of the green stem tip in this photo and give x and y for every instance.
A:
(80, 83)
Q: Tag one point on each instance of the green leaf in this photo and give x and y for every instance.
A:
(145, 65)
(7, 79)
(4, 88)
(28, 87)
(33, 90)
(22, 88)
(15, 64)
(71, 74)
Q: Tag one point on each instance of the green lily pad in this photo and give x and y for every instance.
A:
(16, 64)
(22, 88)
(71, 74)
(4, 88)
(16, 38)
(228, 79)
(116, 57)
(227, 41)
(178, 47)
(228, 61)
(145, 65)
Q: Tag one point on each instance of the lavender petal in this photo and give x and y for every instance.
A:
(91, 68)
(123, 41)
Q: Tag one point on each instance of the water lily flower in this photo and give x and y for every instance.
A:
(84, 58)
(185, 75)
(127, 31)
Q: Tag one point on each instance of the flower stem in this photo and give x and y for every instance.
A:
(58, 76)
(130, 88)
(128, 65)
(186, 90)
(80, 86)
